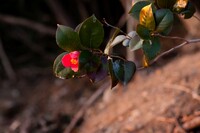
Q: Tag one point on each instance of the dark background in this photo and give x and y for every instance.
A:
(27, 29)
(27, 52)
(30, 95)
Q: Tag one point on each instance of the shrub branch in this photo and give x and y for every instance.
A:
(186, 42)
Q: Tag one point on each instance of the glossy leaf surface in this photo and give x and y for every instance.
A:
(124, 70)
(180, 5)
(164, 20)
(136, 8)
(91, 33)
(67, 38)
(147, 17)
(151, 48)
(114, 80)
(143, 32)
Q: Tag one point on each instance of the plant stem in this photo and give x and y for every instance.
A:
(115, 56)
(196, 17)
(114, 27)
(187, 42)
(170, 37)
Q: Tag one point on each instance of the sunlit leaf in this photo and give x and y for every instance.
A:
(145, 61)
(147, 17)
(151, 48)
(67, 38)
(164, 20)
(180, 5)
(125, 43)
(188, 11)
(91, 32)
(132, 34)
(135, 43)
(136, 8)
(118, 39)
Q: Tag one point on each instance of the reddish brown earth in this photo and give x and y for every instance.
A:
(160, 99)
(163, 98)
(156, 102)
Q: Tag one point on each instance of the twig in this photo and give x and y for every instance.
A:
(181, 129)
(170, 37)
(87, 104)
(28, 23)
(195, 122)
(114, 27)
(174, 48)
(164, 119)
(196, 17)
(6, 63)
(184, 89)
(172, 121)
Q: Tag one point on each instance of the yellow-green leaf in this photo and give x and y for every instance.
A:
(147, 18)
(180, 5)
(145, 61)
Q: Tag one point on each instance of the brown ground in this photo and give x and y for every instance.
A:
(161, 99)
(154, 103)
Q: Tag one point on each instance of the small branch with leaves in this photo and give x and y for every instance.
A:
(186, 42)
(84, 58)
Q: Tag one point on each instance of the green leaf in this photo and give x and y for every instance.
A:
(60, 71)
(67, 38)
(147, 17)
(165, 3)
(136, 8)
(151, 48)
(164, 20)
(114, 80)
(124, 70)
(143, 32)
(189, 11)
(91, 33)
(88, 62)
